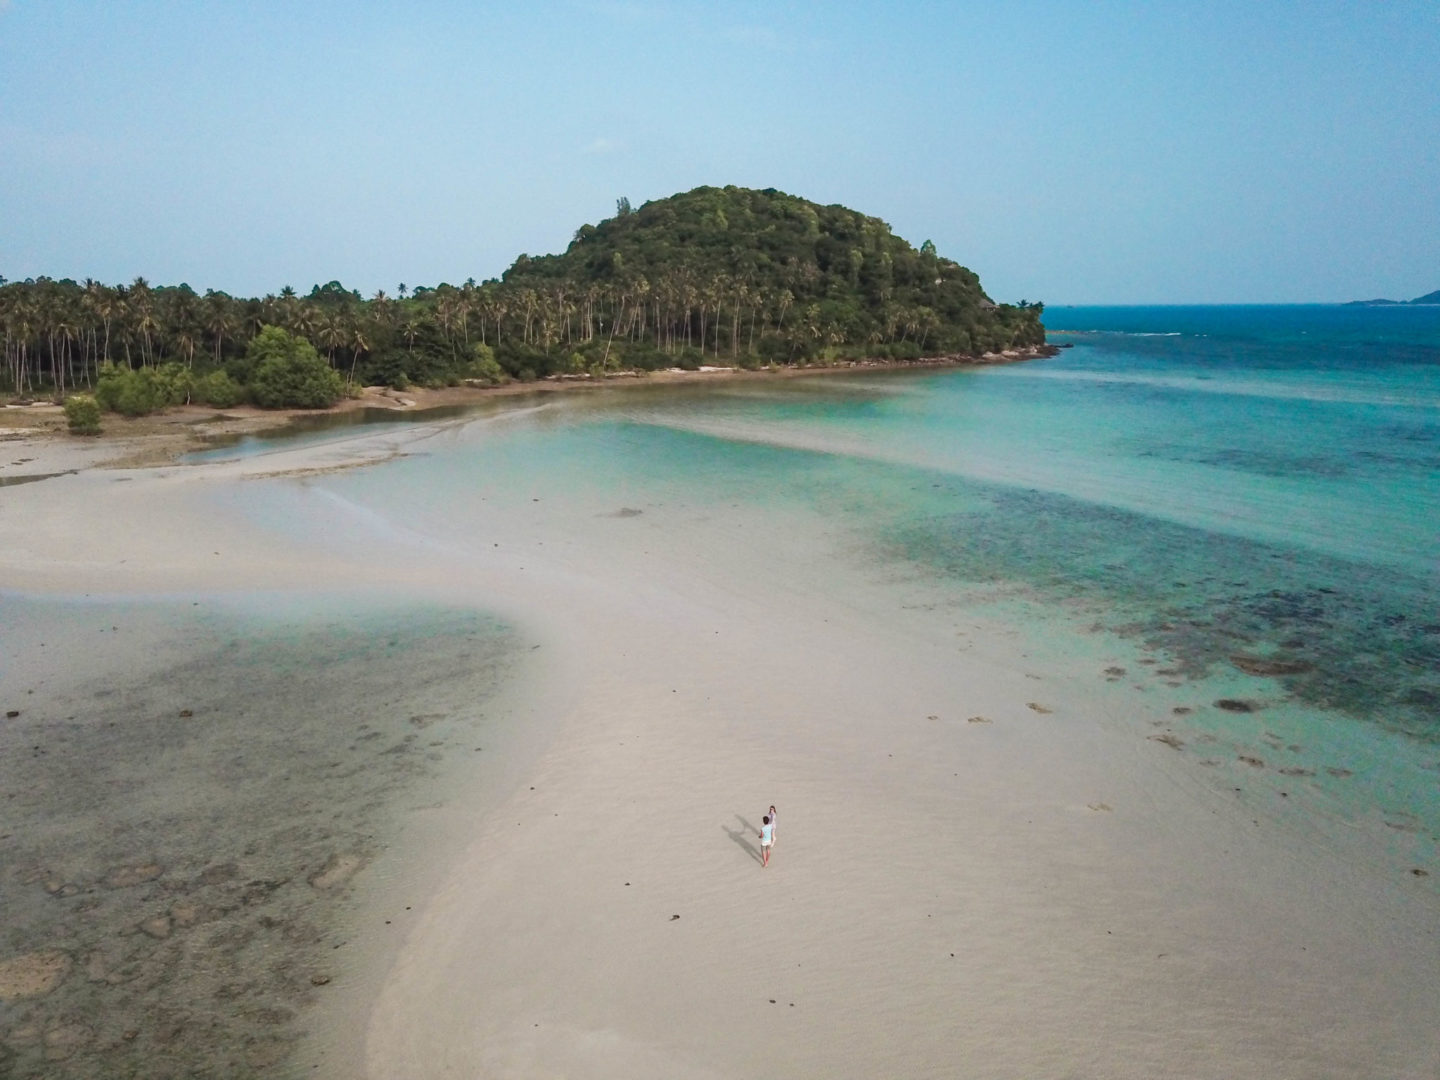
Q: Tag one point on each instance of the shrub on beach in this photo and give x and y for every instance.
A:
(483, 365)
(290, 374)
(82, 412)
(143, 390)
(218, 389)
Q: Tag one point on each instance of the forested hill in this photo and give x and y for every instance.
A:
(715, 275)
(735, 271)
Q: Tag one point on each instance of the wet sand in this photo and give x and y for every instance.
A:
(986, 868)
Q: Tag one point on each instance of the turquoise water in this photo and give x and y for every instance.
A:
(1246, 497)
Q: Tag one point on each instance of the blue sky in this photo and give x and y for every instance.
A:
(1099, 152)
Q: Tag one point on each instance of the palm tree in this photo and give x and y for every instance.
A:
(304, 320)
(108, 304)
(142, 307)
(359, 343)
(218, 320)
(334, 332)
(382, 308)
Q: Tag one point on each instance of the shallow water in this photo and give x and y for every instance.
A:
(182, 821)
(1248, 500)
(316, 428)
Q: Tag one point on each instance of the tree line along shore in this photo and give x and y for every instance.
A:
(723, 276)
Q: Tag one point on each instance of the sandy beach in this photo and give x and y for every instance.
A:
(987, 866)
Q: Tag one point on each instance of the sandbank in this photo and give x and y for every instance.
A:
(985, 867)
(34, 440)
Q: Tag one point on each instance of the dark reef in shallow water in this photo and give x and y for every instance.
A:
(1330, 633)
(178, 846)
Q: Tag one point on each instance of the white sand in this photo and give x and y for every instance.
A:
(945, 898)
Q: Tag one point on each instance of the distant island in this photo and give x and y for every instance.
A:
(715, 276)
(1428, 298)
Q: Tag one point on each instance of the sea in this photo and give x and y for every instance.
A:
(1242, 503)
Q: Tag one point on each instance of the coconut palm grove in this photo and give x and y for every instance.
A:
(725, 276)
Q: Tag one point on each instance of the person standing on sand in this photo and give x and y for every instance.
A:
(774, 825)
(767, 841)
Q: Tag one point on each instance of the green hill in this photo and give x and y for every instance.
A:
(739, 273)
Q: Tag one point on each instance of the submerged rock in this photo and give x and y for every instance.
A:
(1270, 666)
(158, 928)
(33, 974)
(123, 877)
(338, 869)
(219, 874)
(61, 1042)
(1236, 705)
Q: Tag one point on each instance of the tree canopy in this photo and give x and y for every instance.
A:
(714, 275)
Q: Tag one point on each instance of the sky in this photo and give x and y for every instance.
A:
(1070, 152)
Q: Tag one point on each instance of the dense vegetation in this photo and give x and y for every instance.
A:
(723, 276)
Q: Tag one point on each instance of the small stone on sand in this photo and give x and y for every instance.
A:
(1036, 707)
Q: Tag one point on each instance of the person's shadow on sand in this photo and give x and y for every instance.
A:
(742, 836)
